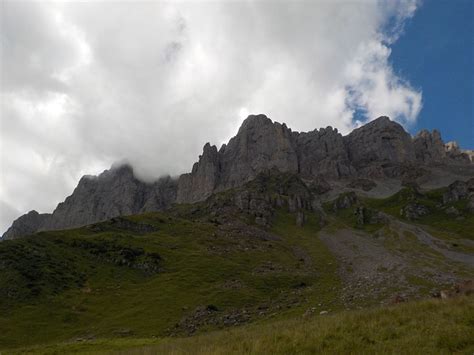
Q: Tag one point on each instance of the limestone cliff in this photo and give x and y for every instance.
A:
(379, 149)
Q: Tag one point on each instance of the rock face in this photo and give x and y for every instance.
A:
(362, 184)
(413, 211)
(378, 149)
(260, 197)
(201, 181)
(453, 152)
(259, 145)
(115, 192)
(345, 200)
(459, 190)
(429, 147)
(25, 225)
(323, 152)
(379, 142)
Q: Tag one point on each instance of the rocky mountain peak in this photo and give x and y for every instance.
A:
(379, 149)
(381, 140)
(429, 146)
(382, 121)
(254, 122)
(27, 224)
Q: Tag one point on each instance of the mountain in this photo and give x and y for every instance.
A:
(276, 232)
(380, 150)
(113, 193)
(277, 254)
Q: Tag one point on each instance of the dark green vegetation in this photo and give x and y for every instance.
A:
(147, 279)
(438, 217)
(181, 278)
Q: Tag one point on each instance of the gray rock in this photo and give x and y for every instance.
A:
(381, 148)
(203, 179)
(413, 211)
(115, 192)
(470, 202)
(300, 219)
(453, 211)
(323, 153)
(319, 186)
(259, 145)
(458, 190)
(381, 140)
(25, 225)
(362, 184)
(455, 154)
(429, 147)
(366, 215)
(345, 200)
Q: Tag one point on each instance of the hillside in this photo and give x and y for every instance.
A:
(261, 253)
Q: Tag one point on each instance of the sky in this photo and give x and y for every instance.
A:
(437, 55)
(87, 84)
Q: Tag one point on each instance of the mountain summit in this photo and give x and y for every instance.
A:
(380, 150)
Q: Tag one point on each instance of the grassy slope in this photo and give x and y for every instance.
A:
(437, 219)
(52, 301)
(60, 286)
(414, 328)
(437, 222)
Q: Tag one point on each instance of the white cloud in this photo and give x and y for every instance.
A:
(86, 84)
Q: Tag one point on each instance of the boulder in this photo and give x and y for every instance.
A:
(345, 200)
(458, 190)
(366, 215)
(413, 211)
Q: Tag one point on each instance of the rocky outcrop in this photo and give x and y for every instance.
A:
(459, 190)
(379, 143)
(113, 193)
(259, 145)
(454, 153)
(199, 184)
(345, 200)
(323, 152)
(469, 153)
(260, 198)
(379, 148)
(365, 215)
(413, 211)
(26, 225)
(429, 147)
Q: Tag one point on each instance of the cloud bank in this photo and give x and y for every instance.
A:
(86, 84)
